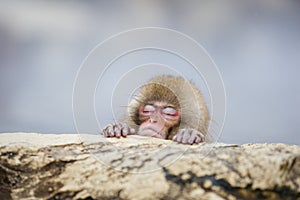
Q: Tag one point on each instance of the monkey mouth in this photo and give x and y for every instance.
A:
(148, 131)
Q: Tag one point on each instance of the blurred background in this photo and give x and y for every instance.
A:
(255, 44)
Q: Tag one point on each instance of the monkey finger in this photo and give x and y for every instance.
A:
(121, 130)
(174, 138)
(111, 133)
(108, 130)
(131, 131)
(186, 136)
(124, 131)
(202, 137)
(179, 135)
(117, 131)
(192, 139)
(104, 133)
(198, 140)
(199, 136)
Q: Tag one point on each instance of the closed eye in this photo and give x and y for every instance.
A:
(169, 111)
(148, 109)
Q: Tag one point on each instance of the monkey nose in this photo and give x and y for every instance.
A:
(156, 119)
(152, 120)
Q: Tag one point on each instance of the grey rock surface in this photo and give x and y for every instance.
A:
(73, 166)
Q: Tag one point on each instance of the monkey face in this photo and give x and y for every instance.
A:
(157, 118)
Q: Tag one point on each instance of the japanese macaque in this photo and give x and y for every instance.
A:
(166, 107)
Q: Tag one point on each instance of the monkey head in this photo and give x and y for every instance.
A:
(165, 104)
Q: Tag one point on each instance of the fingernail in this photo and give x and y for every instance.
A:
(118, 133)
(111, 133)
(125, 133)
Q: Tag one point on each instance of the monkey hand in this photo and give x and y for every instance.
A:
(117, 130)
(188, 136)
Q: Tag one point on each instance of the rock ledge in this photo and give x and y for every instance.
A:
(73, 166)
